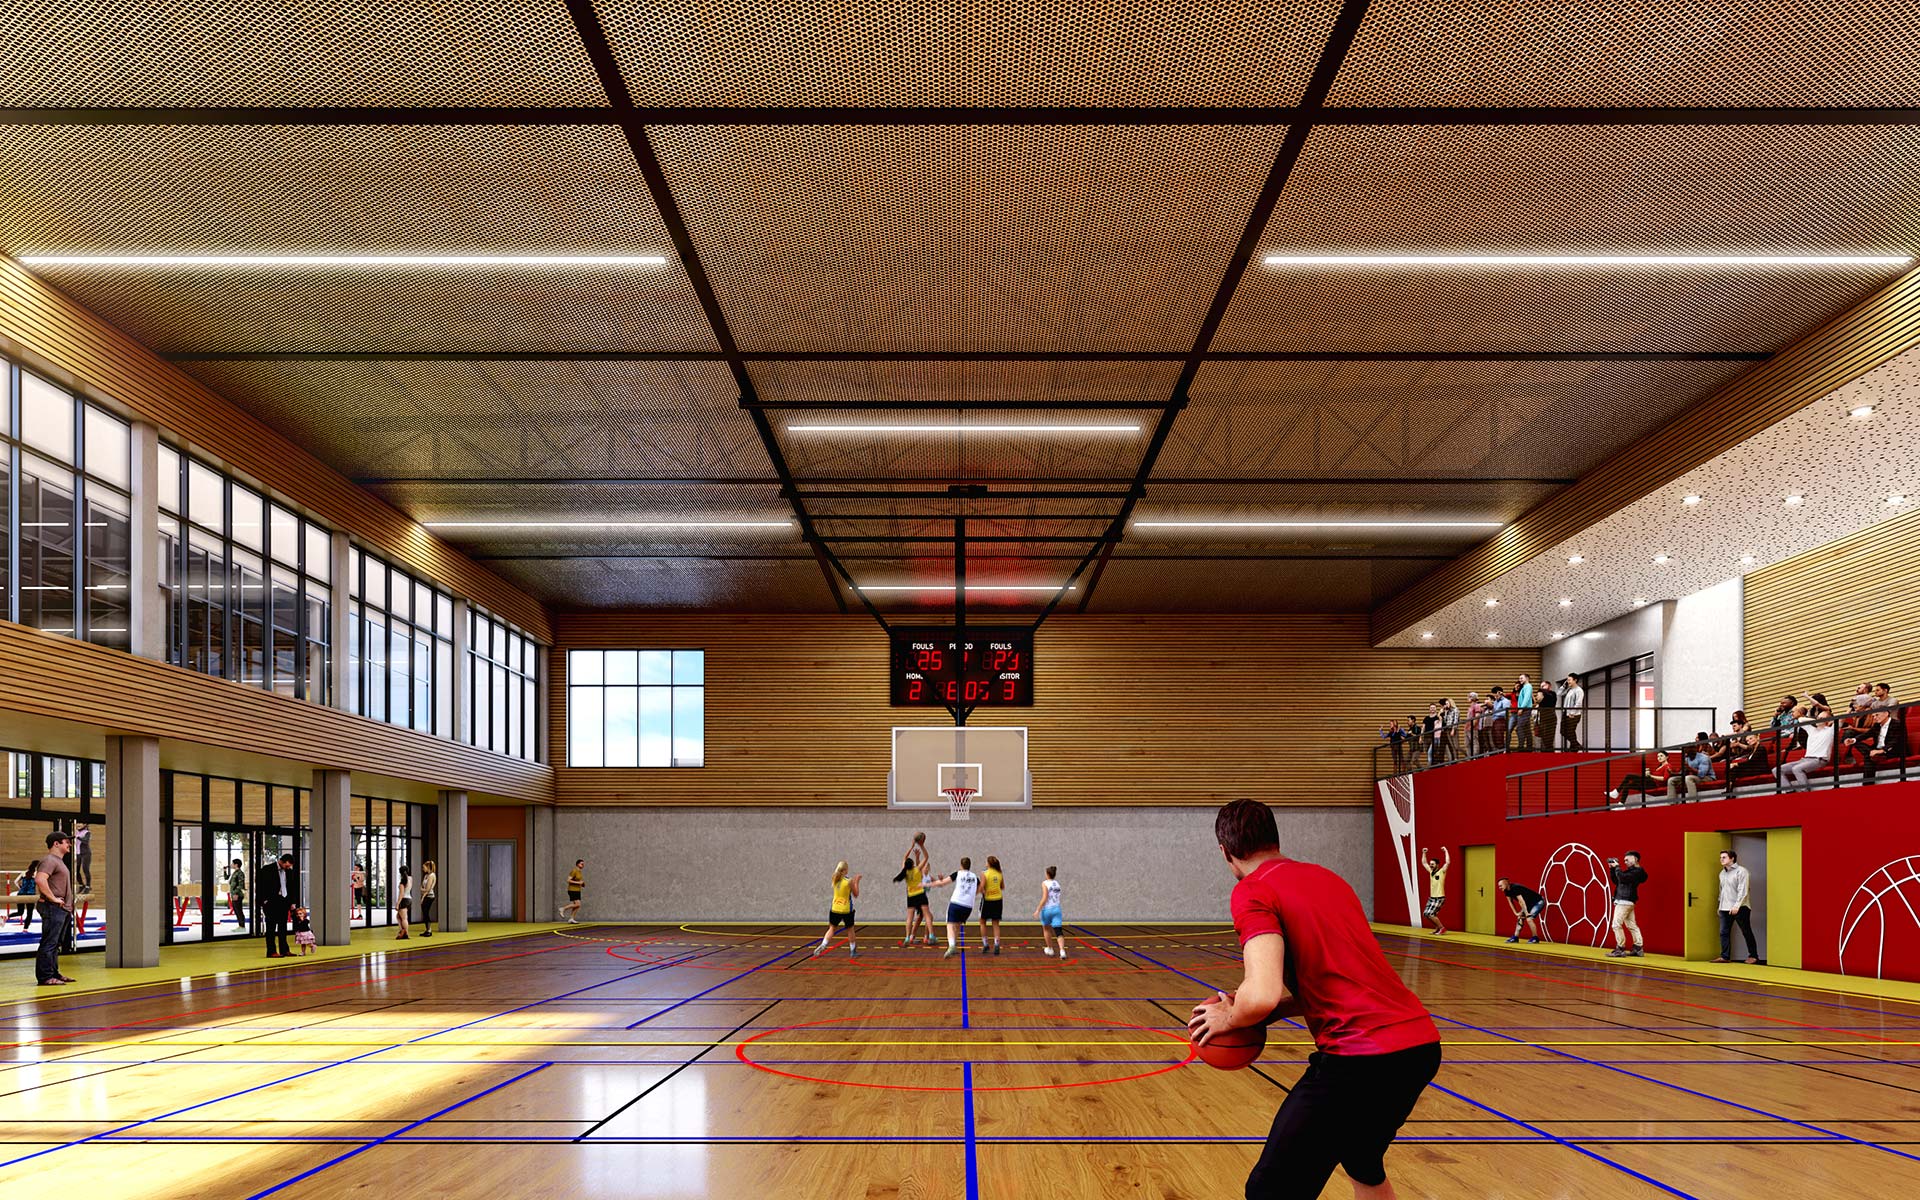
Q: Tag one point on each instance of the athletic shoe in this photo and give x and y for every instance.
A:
(1617, 952)
(996, 947)
(1047, 950)
(1533, 941)
(1614, 794)
(1063, 956)
(1513, 939)
(852, 953)
(816, 952)
(1637, 952)
(949, 953)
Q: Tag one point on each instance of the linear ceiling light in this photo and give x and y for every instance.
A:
(1316, 524)
(947, 587)
(607, 524)
(342, 260)
(963, 429)
(1587, 260)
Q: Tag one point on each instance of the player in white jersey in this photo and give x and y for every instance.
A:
(1052, 924)
(966, 894)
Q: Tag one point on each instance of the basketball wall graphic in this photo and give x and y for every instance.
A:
(1882, 920)
(1579, 895)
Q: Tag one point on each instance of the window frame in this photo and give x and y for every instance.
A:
(673, 689)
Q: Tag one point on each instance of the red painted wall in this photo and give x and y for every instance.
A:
(504, 824)
(1849, 835)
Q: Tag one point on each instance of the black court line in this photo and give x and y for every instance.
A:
(656, 1084)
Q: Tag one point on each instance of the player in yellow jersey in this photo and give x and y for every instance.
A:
(846, 888)
(990, 902)
(576, 883)
(1436, 887)
(917, 915)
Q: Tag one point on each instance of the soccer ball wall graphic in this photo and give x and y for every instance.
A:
(1579, 895)
(1882, 921)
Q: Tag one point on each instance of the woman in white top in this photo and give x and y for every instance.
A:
(1052, 924)
(427, 882)
(1819, 751)
(401, 902)
(966, 894)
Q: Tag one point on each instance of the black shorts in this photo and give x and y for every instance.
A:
(917, 900)
(990, 909)
(845, 918)
(573, 897)
(1344, 1111)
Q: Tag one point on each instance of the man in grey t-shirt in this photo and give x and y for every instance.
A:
(1573, 702)
(55, 889)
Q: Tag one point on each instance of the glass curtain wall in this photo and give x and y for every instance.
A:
(44, 792)
(400, 648)
(502, 688)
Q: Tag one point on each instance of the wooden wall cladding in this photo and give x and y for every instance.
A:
(56, 677)
(1837, 617)
(1877, 329)
(52, 333)
(1128, 710)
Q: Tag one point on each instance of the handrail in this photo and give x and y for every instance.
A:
(1595, 729)
(1759, 771)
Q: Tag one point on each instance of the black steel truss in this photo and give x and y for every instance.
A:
(963, 356)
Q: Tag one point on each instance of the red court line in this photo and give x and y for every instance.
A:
(1594, 987)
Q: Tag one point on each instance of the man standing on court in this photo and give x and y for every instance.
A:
(53, 884)
(1736, 884)
(278, 892)
(1308, 951)
(1626, 898)
(1436, 887)
(1573, 700)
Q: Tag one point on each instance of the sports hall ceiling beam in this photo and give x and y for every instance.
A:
(1346, 27)
(593, 40)
(623, 114)
(945, 405)
(941, 558)
(1033, 356)
(811, 492)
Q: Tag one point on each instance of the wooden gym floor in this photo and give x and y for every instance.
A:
(723, 1061)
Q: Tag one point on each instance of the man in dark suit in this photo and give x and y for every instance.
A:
(278, 891)
(1888, 744)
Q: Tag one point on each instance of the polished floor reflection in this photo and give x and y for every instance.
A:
(724, 1061)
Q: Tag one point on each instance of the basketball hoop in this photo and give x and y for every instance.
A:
(959, 802)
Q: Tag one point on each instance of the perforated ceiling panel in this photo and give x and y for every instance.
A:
(750, 584)
(828, 445)
(1247, 585)
(503, 419)
(967, 52)
(1662, 52)
(966, 238)
(568, 500)
(964, 382)
(295, 52)
(1555, 419)
(375, 190)
(1628, 189)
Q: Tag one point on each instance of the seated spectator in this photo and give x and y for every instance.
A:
(1659, 776)
(1858, 729)
(1741, 752)
(1888, 745)
(1783, 722)
(1819, 755)
(1883, 695)
(1697, 768)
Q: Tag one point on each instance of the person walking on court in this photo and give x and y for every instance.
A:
(846, 889)
(1573, 703)
(1626, 899)
(279, 890)
(1053, 926)
(1309, 952)
(966, 894)
(1736, 883)
(1527, 907)
(429, 880)
(53, 885)
(576, 883)
(991, 901)
(1436, 887)
(237, 892)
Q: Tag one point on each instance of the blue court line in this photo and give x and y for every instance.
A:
(947, 1062)
(1250, 1139)
(1607, 1066)
(973, 1163)
(716, 987)
(1569, 1144)
(623, 976)
(312, 1171)
(965, 1019)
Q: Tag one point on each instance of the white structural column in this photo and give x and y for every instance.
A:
(147, 575)
(330, 858)
(453, 861)
(542, 878)
(132, 858)
(337, 631)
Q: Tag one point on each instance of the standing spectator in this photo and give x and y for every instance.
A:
(357, 880)
(1472, 724)
(1436, 887)
(27, 887)
(53, 884)
(1735, 884)
(1626, 898)
(237, 892)
(1888, 745)
(1501, 720)
(1573, 703)
(1548, 703)
(429, 882)
(1527, 907)
(1450, 728)
(1396, 738)
(403, 901)
(278, 892)
(1697, 764)
(1523, 711)
(1430, 729)
(82, 859)
(1820, 736)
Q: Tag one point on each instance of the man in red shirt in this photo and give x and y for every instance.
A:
(1309, 952)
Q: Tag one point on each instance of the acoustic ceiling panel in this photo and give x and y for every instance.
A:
(933, 52)
(1355, 419)
(966, 237)
(1581, 189)
(965, 382)
(369, 190)
(503, 419)
(1318, 585)
(826, 446)
(751, 584)
(530, 499)
(293, 52)
(1667, 53)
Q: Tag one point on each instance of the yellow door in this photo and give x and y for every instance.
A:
(1480, 890)
(1703, 894)
(1783, 898)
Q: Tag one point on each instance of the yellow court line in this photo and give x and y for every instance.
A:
(1129, 937)
(510, 1045)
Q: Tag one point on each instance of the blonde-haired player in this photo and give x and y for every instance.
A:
(991, 881)
(914, 872)
(1052, 924)
(846, 889)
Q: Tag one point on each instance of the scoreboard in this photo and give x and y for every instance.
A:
(931, 667)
